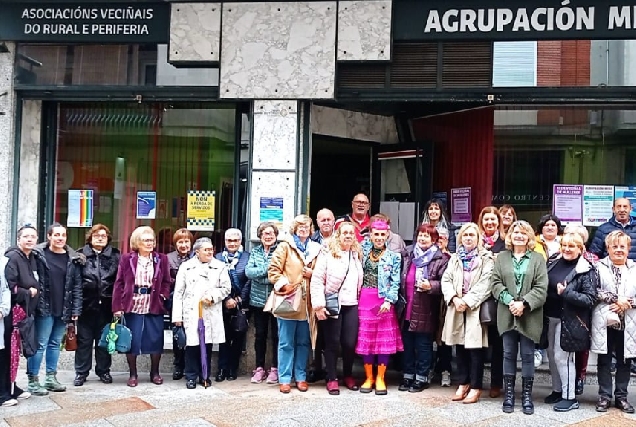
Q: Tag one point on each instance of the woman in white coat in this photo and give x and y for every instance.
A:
(614, 321)
(201, 279)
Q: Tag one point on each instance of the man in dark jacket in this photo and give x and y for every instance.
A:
(98, 277)
(620, 221)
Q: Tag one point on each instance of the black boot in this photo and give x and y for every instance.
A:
(509, 394)
(526, 395)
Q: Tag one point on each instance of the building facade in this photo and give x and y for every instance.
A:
(279, 108)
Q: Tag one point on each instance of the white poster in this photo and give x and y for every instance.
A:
(597, 204)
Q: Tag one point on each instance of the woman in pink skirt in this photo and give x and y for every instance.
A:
(379, 333)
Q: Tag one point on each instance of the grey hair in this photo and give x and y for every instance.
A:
(233, 232)
(200, 242)
(577, 229)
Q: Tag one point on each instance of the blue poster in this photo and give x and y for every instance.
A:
(271, 209)
(628, 193)
(146, 204)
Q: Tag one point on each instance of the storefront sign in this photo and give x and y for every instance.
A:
(200, 210)
(272, 210)
(80, 208)
(460, 205)
(499, 20)
(628, 193)
(598, 201)
(567, 203)
(87, 23)
(146, 205)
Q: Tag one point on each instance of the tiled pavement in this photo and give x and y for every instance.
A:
(240, 403)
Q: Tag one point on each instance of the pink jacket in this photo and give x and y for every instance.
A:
(329, 274)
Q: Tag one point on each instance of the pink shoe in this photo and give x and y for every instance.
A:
(272, 378)
(258, 375)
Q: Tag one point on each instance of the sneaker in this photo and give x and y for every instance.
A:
(258, 375)
(538, 358)
(553, 398)
(419, 385)
(406, 384)
(23, 396)
(272, 378)
(565, 405)
(446, 379)
(10, 402)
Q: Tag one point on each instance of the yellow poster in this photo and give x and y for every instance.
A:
(200, 210)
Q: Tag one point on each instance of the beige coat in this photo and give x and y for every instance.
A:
(465, 328)
(196, 281)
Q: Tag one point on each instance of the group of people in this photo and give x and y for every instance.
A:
(494, 289)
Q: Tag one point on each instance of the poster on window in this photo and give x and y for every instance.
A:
(80, 208)
(146, 204)
(598, 201)
(272, 210)
(200, 210)
(567, 203)
(628, 193)
(460, 205)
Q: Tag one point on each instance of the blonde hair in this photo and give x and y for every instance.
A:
(575, 238)
(616, 236)
(464, 228)
(577, 229)
(334, 242)
(135, 237)
(526, 229)
(301, 219)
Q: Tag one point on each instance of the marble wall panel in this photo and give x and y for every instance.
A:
(364, 30)
(278, 185)
(195, 32)
(7, 145)
(275, 135)
(278, 50)
(353, 125)
(29, 184)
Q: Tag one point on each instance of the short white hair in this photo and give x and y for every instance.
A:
(577, 229)
(232, 232)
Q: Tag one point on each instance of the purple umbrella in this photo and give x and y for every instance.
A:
(204, 353)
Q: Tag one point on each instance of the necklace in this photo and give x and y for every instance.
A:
(376, 254)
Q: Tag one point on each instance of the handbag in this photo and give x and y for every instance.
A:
(116, 337)
(488, 312)
(284, 304)
(178, 336)
(332, 301)
(238, 320)
(26, 327)
(400, 307)
(70, 338)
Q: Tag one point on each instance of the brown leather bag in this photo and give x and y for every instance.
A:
(70, 342)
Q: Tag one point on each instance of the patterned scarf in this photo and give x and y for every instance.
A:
(231, 259)
(616, 271)
(421, 259)
(302, 247)
(489, 242)
(468, 259)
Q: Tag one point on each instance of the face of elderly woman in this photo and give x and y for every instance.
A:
(378, 237)
(550, 230)
(184, 246)
(232, 243)
(490, 223)
(303, 230)
(507, 218)
(347, 235)
(469, 239)
(206, 252)
(424, 240)
(570, 250)
(519, 237)
(146, 243)
(268, 236)
(618, 251)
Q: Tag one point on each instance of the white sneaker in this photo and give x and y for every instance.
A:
(23, 396)
(446, 380)
(10, 402)
(538, 358)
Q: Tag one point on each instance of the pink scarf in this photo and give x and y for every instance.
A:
(489, 242)
(18, 315)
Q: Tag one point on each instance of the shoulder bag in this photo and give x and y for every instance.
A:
(332, 301)
(238, 320)
(70, 338)
(116, 337)
(488, 312)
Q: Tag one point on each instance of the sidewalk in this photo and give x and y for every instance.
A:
(240, 403)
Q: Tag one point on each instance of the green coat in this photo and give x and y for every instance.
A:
(534, 290)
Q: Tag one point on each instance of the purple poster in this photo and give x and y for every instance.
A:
(567, 203)
(460, 205)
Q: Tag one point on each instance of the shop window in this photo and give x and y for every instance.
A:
(118, 150)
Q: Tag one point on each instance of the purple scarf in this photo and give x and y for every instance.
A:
(422, 259)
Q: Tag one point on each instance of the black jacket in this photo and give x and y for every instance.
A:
(240, 282)
(579, 298)
(72, 286)
(22, 273)
(98, 277)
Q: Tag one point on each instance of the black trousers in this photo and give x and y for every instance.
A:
(193, 361)
(340, 334)
(495, 342)
(615, 342)
(5, 361)
(89, 330)
(444, 358)
(263, 321)
(470, 366)
(230, 351)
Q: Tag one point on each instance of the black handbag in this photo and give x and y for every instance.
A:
(238, 320)
(488, 312)
(28, 339)
(179, 337)
(332, 301)
(400, 307)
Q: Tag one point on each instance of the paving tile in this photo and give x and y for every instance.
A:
(613, 419)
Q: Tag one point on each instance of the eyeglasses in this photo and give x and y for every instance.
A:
(360, 202)
(100, 236)
(148, 240)
(233, 240)
(303, 227)
(268, 233)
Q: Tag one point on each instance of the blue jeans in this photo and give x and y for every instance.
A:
(49, 331)
(418, 354)
(294, 346)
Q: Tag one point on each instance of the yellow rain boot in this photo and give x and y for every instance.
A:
(380, 385)
(368, 384)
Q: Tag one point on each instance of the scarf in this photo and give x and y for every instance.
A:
(302, 247)
(421, 259)
(468, 259)
(489, 242)
(231, 259)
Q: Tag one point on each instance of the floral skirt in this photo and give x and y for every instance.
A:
(377, 333)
